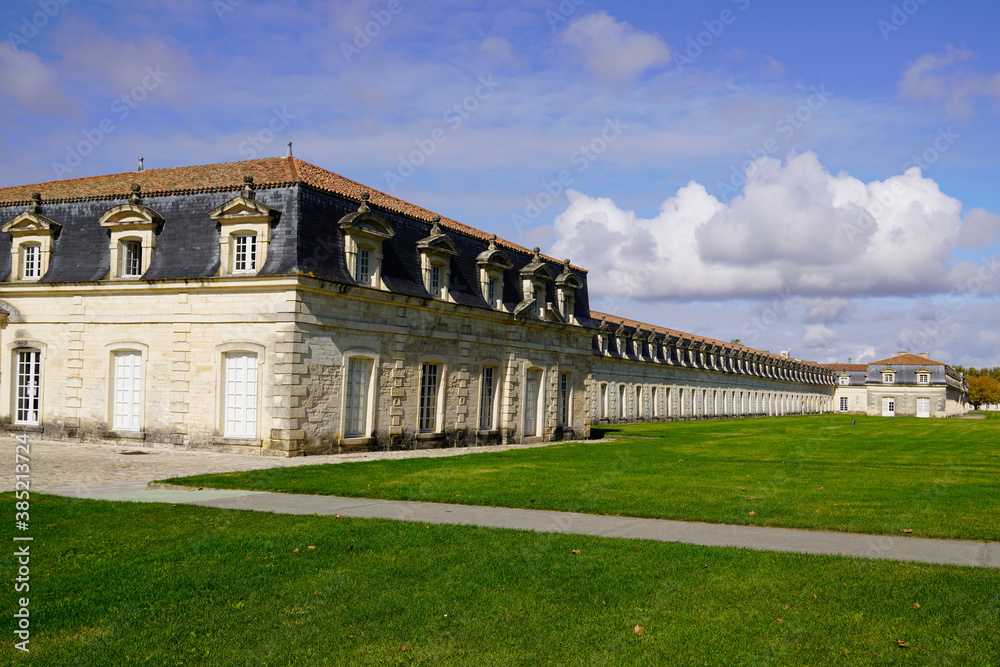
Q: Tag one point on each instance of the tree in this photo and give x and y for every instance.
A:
(736, 341)
(983, 389)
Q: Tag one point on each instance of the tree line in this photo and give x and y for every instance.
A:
(984, 384)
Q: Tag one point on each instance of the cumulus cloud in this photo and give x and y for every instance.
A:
(613, 51)
(941, 77)
(30, 81)
(981, 229)
(818, 335)
(795, 230)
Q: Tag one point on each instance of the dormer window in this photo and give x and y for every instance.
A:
(245, 253)
(32, 239)
(923, 377)
(534, 278)
(888, 377)
(436, 280)
(362, 265)
(133, 228)
(436, 251)
(845, 380)
(492, 265)
(364, 233)
(492, 291)
(566, 286)
(244, 231)
(130, 253)
(31, 261)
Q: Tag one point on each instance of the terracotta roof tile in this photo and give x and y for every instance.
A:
(266, 172)
(845, 367)
(907, 360)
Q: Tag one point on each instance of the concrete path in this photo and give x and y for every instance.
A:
(107, 472)
(948, 552)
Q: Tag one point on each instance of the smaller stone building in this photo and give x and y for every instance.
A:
(911, 385)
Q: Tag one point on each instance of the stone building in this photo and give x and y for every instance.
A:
(906, 385)
(272, 306)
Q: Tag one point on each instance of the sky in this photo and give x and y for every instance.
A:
(813, 177)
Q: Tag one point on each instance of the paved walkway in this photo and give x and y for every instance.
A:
(106, 473)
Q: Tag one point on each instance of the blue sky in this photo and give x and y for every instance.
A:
(817, 177)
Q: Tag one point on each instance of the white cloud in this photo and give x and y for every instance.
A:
(614, 51)
(818, 335)
(981, 229)
(795, 230)
(30, 81)
(939, 77)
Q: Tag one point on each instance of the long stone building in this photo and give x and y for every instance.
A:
(272, 306)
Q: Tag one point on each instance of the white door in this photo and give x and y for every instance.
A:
(888, 407)
(241, 395)
(532, 385)
(29, 381)
(128, 391)
(923, 407)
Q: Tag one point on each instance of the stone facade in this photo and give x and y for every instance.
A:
(302, 313)
(906, 385)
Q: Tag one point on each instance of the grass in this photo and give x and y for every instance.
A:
(936, 478)
(137, 584)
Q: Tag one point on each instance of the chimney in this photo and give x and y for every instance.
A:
(925, 355)
(901, 353)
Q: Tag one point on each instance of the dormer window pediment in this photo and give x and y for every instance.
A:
(132, 228)
(32, 238)
(364, 232)
(537, 269)
(365, 222)
(244, 231)
(436, 251)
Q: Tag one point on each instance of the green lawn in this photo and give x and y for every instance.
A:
(937, 478)
(136, 584)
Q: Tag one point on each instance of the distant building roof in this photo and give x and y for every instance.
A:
(846, 367)
(907, 359)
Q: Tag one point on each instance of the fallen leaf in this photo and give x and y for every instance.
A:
(916, 605)
(638, 629)
(604, 602)
(576, 551)
(704, 566)
(317, 593)
(907, 530)
(680, 460)
(404, 647)
(311, 547)
(817, 511)
(846, 651)
(752, 512)
(779, 620)
(786, 607)
(814, 597)
(902, 644)
(338, 516)
(296, 550)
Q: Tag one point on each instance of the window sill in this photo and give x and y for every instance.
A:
(486, 433)
(430, 436)
(243, 442)
(27, 428)
(124, 435)
(364, 441)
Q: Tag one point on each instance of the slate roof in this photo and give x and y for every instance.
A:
(225, 177)
(305, 239)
